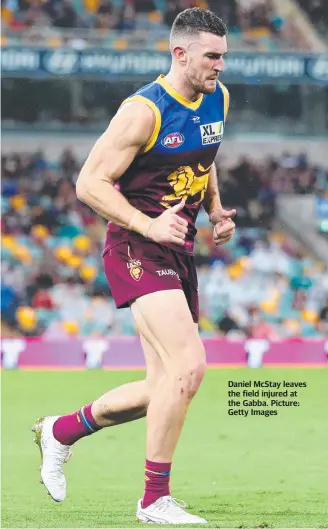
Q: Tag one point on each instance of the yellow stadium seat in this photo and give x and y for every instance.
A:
(277, 237)
(71, 327)
(74, 261)
(205, 324)
(257, 33)
(26, 318)
(120, 44)
(269, 306)
(243, 262)
(18, 202)
(22, 254)
(310, 316)
(40, 232)
(155, 17)
(54, 42)
(7, 15)
(8, 242)
(162, 45)
(82, 243)
(91, 5)
(234, 271)
(202, 3)
(88, 273)
(63, 253)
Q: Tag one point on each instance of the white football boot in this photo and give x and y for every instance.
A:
(167, 510)
(53, 456)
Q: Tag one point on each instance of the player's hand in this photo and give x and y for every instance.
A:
(169, 227)
(224, 226)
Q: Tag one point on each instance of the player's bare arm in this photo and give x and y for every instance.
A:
(224, 227)
(110, 157)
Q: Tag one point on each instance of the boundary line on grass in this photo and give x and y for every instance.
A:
(142, 368)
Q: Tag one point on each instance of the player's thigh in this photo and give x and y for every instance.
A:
(164, 318)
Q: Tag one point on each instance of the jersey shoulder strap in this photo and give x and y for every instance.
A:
(149, 96)
(226, 99)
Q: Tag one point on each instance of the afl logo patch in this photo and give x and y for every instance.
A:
(173, 140)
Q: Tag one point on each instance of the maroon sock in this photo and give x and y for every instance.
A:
(157, 480)
(69, 428)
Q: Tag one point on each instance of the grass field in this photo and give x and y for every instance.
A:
(235, 471)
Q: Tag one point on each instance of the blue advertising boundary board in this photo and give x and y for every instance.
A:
(107, 64)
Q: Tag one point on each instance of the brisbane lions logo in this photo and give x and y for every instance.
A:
(136, 271)
(187, 182)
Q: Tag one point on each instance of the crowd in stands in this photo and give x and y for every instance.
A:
(261, 284)
(286, 174)
(122, 14)
(317, 11)
(253, 21)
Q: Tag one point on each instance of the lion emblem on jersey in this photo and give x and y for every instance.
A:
(136, 271)
(187, 182)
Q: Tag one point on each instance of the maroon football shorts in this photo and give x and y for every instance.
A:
(138, 267)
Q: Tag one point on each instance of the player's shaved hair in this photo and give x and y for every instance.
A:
(190, 22)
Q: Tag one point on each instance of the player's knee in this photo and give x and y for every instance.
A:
(190, 377)
(197, 373)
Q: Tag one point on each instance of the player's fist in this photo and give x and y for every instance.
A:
(169, 227)
(224, 226)
(222, 233)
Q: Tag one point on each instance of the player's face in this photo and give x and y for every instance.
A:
(205, 62)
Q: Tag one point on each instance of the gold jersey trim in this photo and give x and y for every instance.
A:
(194, 105)
(158, 119)
(226, 99)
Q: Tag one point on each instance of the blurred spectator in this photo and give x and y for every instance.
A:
(227, 324)
(69, 164)
(172, 9)
(323, 319)
(317, 10)
(127, 17)
(9, 304)
(255, 200)
(144, 6)
(257, 327)
(65, 15)
(105, 18)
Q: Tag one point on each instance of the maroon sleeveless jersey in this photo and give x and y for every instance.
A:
(175, 163)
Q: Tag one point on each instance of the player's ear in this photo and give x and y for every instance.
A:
(180, 54)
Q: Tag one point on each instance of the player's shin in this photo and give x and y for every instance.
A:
(165, 418)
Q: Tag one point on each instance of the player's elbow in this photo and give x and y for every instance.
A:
(84, 185)
(82, 190)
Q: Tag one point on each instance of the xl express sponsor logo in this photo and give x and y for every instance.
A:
(212, 132)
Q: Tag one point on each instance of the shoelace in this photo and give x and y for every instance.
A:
(178, 505)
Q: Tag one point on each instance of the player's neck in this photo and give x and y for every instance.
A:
(181, 87)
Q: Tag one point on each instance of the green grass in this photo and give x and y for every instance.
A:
(235, 471)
